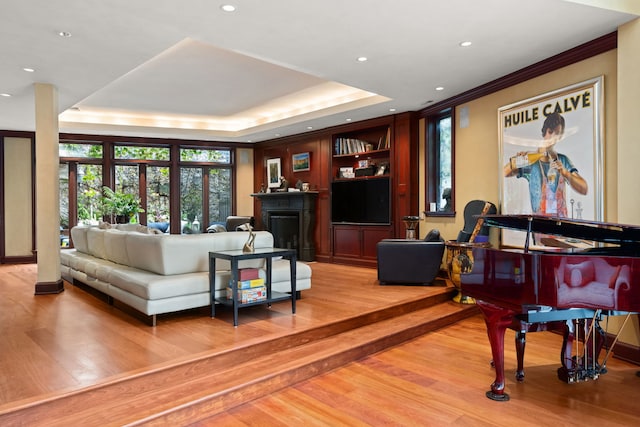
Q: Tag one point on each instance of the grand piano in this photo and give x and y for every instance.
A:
(555, 286)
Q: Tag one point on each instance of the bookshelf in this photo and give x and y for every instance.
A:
(361, 154)
(361, 193)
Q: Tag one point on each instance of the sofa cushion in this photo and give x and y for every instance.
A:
(79, 238)
(178, 254)
(115, 246)
(152, 286)
(95, 241)
(281, 271)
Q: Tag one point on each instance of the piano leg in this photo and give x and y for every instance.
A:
(521, 329)
(521, 340)
(497, 319)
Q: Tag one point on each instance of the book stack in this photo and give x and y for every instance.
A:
(251, 288)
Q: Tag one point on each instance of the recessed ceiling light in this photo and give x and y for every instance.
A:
(64, 34)
(348, 120)
(228, 8)
(6, 95)
(392, 109)
(439, 88)
(465, 44)
(362, 59)
(309, 127)
(28, 70)
(277, 134)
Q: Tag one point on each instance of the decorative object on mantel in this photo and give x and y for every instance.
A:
(305, 186)
(262, 189)
(284, 184)
(299, 184)
(120, 206)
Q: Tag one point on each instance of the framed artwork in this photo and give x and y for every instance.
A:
(551, 156)
(273, 173)
(301, 162)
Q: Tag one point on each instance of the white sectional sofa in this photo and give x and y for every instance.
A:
(161, 273)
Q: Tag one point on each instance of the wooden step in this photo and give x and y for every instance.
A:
(219, 381)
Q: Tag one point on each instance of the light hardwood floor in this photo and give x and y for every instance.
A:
(440, 379)
(61, 343)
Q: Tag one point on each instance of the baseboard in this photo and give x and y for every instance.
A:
(47, 288)
(625, 351)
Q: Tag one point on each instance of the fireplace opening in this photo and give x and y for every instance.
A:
(285, 228)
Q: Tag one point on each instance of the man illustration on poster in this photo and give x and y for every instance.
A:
(547, 171)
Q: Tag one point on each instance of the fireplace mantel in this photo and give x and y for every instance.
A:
(302, 205)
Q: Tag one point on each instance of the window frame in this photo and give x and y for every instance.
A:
(109, 162)
(432, 162)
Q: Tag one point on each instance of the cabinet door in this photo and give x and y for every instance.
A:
(370, 238)
(346, 241)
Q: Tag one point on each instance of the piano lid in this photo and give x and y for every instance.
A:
(605, 232)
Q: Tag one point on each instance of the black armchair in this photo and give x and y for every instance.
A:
(235, 223)
(405, 262)
(471, 212)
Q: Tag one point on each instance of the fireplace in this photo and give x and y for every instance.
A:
(291, 218)
(285, 227)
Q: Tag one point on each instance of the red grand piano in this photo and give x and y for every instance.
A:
(539, 289)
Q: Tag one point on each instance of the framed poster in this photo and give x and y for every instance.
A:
(551, 156)
(300, 162)
(273, 173)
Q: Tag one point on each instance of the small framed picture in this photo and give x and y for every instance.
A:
(363, 163)
(301, 162)
(346, 173)
(273, 173)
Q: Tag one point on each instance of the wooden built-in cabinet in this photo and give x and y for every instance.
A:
(361, 193)
(356, 244)
(391, 141)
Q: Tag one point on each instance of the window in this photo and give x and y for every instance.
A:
(191, 199)
(205, 188)
(158, 194)
(194, 183)
(440, 156)
(80, 174)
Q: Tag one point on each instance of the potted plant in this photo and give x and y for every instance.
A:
(121, 206)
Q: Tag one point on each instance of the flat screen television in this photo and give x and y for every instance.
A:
(361, 201)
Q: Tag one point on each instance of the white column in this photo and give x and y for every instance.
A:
(47, 190)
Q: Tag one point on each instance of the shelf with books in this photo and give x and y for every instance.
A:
(364, 141)
(364, 152)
